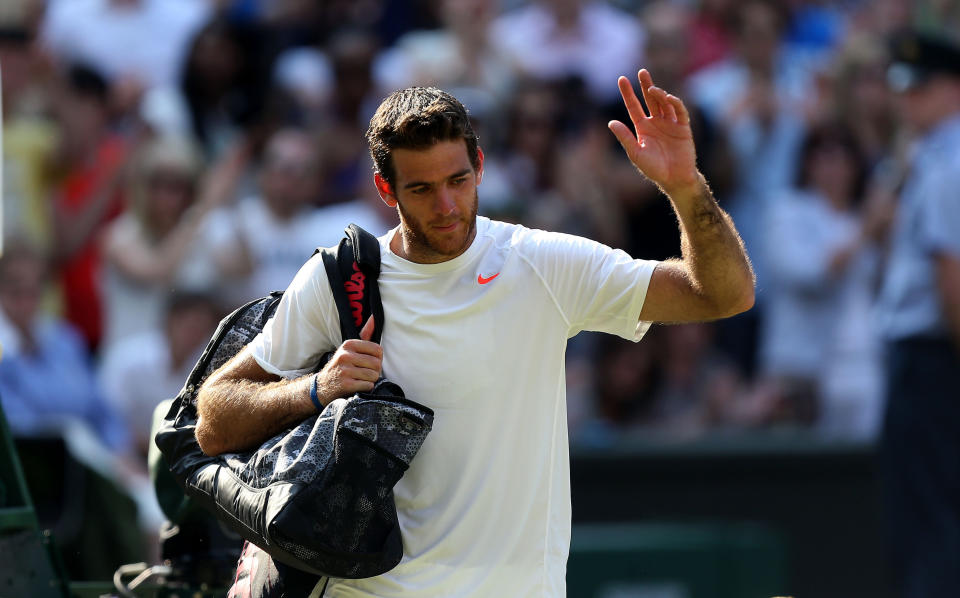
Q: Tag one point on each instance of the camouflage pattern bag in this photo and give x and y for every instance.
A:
(317, 497)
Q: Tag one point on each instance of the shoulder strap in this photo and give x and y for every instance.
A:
(353, 268)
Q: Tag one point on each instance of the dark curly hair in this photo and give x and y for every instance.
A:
(417, 118)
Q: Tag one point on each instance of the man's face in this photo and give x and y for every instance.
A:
(923, 106)
(289, 176)
(435, 191)
(21, 289)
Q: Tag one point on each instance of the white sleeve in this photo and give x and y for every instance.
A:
(595, 287)
(305, 326)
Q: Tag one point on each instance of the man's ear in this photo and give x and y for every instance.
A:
(385, 191)
(479, 165)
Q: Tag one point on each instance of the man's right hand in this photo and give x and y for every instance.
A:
(354, 367)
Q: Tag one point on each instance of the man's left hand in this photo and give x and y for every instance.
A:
(662, 148)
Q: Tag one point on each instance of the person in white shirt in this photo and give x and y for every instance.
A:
(281, 226)
(145, 369)
(143, 41)
(477, 317)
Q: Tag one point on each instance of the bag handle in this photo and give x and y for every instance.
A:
(353, 268)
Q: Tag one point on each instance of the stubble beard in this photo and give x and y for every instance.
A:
(425, 249)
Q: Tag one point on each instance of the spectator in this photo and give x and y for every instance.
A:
(47, 380)
(861, 97)
(919, 318)
(816, 341)
(29, 137)
(711, 34)
(625, 381)
(218, 94)
(140, 371)
(346, 161)
(282, 227)
(139, 41)
(304, 76)
(88, 196)
(172, 237)
(529, 157)
(695, 379)
(558, 39)
(755, 97)
(457, 55)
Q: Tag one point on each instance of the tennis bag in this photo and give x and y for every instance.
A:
(318, 497)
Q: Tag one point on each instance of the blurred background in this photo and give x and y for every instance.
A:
(166, 160)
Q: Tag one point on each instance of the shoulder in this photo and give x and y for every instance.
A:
(536, 241)
(311, 276)
(546, 251)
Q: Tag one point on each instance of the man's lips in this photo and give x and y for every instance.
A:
(446, 228)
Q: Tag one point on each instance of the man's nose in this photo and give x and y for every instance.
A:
(445, 201)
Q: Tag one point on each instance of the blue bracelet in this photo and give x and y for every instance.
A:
(313, 393)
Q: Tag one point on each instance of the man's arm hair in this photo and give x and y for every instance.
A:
(714, 278)
(241, 405)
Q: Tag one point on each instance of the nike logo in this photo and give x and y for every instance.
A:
(483, 280)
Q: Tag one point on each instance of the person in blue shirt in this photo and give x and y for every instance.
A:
(919, 317)
(47, 380)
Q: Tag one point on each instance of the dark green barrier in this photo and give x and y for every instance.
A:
(820, 498)
(675, 561)
(28, 567)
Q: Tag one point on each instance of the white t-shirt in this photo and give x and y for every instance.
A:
(485, 507)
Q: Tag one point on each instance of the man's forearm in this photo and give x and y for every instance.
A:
(712, 251)
(238, 415)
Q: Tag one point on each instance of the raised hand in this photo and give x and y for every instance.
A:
(662, 148)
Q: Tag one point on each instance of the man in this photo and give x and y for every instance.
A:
(919, 316)
(478, 313)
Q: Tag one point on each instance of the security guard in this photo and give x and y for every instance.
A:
(919, 316)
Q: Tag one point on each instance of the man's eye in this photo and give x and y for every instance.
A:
(459, 181)
(419, 190)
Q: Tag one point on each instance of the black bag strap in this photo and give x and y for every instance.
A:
(353, 268)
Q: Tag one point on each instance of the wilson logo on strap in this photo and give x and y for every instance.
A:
(354, 288)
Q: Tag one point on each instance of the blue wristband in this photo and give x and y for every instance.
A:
(313, 393)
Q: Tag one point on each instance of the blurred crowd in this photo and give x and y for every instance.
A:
(166, 160)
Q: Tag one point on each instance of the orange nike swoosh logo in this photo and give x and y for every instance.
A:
(483, 280)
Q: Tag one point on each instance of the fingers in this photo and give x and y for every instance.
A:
(362, 347)
(659, 102)
(356, 374)
(680, 111)
(646, 82)
(368, 362)
(355, 367)
(344, 381)
(631, 101)
(624, 135)
(366, 333)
